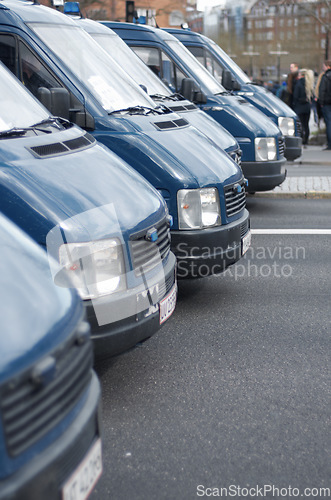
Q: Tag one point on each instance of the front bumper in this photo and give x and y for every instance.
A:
(264, 176)
(209, 251)
(293, 148)
(44, 475)
(116, 336)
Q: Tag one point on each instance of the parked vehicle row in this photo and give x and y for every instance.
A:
(112, 186)
(260, 140)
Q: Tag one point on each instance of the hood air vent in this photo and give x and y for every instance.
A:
(182, 107)
(61, 148)
(181, 122)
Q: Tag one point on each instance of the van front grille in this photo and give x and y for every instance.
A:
(147, 254)
(281, 146)
(235, 198)
(236, 156)
(30, 410)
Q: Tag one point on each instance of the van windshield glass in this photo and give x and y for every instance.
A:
(233, 67)
(18, 109)
(201, 74)
(131, 63)
(104, 78)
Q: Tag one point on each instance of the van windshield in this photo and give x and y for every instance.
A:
(201, 74)
(233, 67)
(18, 109)
(131, 63)
(104, 78)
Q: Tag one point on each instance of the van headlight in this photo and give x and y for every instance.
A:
(95, 268)
(286, 126)
(265, 148)
(198, 208)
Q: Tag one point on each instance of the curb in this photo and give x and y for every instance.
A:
(311, 162)
(308, 195)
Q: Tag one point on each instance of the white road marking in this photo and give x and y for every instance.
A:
(292, 231)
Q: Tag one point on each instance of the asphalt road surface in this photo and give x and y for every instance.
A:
(232, 395)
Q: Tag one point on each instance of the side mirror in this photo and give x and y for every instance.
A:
(200, 97)
(228, 82)
(56, 100)
(190, 90)
(227, 79)
(187, 88)
(236, 85)
(60, 100)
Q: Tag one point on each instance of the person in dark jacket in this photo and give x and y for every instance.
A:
(302, 98)
(325, 99)
(291, 81)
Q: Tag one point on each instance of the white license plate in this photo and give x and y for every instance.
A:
(83, 479)
(246, 242)
(168, 304)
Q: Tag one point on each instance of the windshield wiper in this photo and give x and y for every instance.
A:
(139, 110)
(171, 97)
(48, 121)
(225, 92)
(13, 131)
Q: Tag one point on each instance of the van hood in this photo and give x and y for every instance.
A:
(205, 124)
(241, 117)
(266, 101)
(49, 190)
(36, 315)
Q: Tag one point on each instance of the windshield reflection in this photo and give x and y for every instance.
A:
(131, 63)
(18, 109)
(200, 72)
(91, 65)
(236, 70)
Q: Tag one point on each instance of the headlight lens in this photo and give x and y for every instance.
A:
(96, 268)
(286, 126)
(265, 149)
(198, 208)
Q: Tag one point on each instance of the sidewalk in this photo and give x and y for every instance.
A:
(306, 186)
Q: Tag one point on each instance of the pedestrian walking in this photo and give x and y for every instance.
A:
(325, 99)
(291, 81)
(318, 115)
(303, 93)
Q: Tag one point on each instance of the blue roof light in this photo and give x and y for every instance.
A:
(71, 8)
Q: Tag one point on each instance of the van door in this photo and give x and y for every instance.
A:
(25, 64)
(166, 69)
(208, 61)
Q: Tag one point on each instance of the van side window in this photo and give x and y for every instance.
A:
(215, 68)
(151, 57)
(172, 75)
(159, 62)
(208, 61)
(8, 52)
(198, 52)
(33, 73)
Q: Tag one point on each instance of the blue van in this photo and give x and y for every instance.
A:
(107, 227)
(260, 140)
(234, 79)
(50, 436)
(156, 89)
(203, 187)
